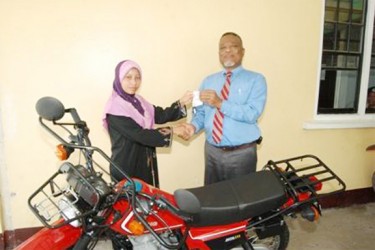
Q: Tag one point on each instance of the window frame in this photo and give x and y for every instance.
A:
(354, 120)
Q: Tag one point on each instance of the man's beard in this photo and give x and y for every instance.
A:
(228, 64)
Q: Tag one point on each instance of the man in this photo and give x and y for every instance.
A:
(230, 148)
(370, 98)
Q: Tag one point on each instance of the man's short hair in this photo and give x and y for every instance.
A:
(232, 34)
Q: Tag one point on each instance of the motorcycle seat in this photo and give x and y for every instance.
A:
(232, 200)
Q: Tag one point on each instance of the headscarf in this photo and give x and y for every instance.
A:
(121, 103)
(121, 70)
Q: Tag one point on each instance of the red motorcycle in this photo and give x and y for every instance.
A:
(79, 204)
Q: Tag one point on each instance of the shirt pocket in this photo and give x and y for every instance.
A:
(240, 94)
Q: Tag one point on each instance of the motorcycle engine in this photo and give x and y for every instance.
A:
(147, 241)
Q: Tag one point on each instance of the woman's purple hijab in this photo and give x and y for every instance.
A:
(121, 103)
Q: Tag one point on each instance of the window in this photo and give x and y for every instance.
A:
(342, 55)
(347, 64)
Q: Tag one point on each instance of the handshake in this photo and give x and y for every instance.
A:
(197, 98)
(184, 130)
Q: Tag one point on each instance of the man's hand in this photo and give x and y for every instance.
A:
(210, 97)
(184, 130)
(190, 129)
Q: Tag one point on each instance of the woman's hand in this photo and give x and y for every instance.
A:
(165, 130)
(186, 98)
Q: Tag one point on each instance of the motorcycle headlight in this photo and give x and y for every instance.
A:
(69, 211)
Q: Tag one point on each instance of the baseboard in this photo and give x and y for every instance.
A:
(10, 239)
(2, 244)
(348, 198)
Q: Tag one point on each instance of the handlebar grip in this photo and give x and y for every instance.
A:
(75, 115)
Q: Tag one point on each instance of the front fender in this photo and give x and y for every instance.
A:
(52, 239)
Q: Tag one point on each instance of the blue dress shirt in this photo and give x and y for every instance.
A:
(245, 104)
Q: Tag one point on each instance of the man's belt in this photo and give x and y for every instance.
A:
(242, 146)
(233, 148)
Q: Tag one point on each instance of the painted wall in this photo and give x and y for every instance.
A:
(68, 49)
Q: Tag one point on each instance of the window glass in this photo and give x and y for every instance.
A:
(331, 10)
(344, 11)
(355, 38)
(329, 36)
(357, 16)
(342, 37)
(338, 90)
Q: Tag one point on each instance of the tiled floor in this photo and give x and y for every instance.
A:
(338, 229)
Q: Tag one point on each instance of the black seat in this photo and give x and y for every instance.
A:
(232, 200)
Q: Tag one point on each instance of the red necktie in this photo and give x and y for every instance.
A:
(217, 131)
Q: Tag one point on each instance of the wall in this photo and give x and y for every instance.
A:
(68, 49)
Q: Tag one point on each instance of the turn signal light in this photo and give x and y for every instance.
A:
(63, 152)
(136, 227)
(318, 185)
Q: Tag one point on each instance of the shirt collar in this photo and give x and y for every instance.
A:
(234, 71)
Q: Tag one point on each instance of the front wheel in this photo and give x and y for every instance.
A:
(276, 238)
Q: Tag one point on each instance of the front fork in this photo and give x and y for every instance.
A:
(83, 242)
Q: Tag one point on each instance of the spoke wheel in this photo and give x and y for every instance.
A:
(278, 241)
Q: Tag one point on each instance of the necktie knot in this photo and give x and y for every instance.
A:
(228, 74)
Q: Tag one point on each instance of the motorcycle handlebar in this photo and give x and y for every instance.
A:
(51, 109)
(75, 115)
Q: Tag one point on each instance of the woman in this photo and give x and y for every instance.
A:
(130, 120)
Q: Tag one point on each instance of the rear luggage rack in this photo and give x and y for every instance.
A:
(306, 173)
(302, 175)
